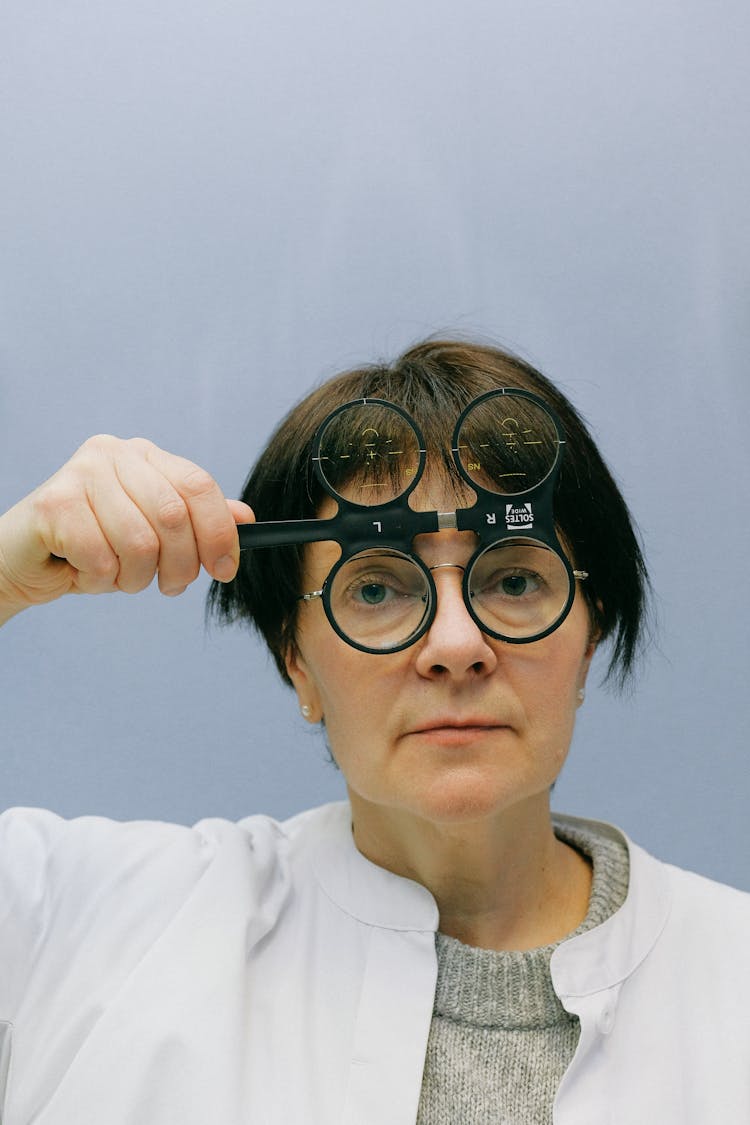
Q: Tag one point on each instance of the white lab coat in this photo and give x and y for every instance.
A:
(268, 974)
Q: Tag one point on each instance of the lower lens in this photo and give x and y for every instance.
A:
(519, 590)
(379, 599)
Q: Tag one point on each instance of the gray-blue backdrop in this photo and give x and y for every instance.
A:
(207, 207)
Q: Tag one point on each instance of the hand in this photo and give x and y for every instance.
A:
(115, 515)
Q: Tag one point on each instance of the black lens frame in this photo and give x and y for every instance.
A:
(394, 524)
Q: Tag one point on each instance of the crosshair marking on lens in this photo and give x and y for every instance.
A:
(507, 444)
(369, 453)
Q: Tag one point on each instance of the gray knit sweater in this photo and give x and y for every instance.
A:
(500, 1039)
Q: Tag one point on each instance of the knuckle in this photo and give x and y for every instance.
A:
(89, 460)
(143, 544)
(101, 441)
(54, 506)
(103, 568)
(172, 514)
(197, 483)
(140, 445)
(97, 445)
(50, 500)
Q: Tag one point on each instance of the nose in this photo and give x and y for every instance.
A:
(454, 646)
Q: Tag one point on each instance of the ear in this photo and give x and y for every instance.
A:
(591, 648)
(593, 642)
(304, 684)
(588, 656)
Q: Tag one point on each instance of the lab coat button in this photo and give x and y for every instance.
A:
(606, 1020)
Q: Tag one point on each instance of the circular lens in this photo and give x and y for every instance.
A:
(519, 589)
(369, 453)
(507, 443)
(379, 599)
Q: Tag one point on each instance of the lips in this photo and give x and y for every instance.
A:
(452, 722)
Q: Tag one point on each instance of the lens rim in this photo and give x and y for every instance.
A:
(424, 625)
(316, 458)
(508, 392)
(431, 609)
(501, 544)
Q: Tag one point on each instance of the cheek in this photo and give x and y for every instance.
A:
(549, 678)
(357, 693)
(347, 681)
(356, 700)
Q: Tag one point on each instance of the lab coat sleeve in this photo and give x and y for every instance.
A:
(81, 902)
(125, 930)
(67, 885)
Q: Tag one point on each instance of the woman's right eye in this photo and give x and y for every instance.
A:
(373, 593)
(379, 589)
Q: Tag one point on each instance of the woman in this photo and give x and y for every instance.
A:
(439, 948)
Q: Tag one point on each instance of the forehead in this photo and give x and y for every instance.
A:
(437, 490)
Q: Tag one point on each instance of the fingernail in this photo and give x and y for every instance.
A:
(224, 568)
(174, 591)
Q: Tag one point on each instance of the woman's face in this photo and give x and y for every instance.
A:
(457, 727)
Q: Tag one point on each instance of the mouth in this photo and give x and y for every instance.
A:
(451, 727)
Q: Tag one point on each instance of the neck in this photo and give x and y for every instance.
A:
(500, 882)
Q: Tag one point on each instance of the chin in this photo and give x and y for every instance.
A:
(456, 799)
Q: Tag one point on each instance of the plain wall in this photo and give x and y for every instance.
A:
(206, 209)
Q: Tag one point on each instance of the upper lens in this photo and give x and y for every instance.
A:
(379, 599)
(519, 589)
(507, 443)
(369, 453)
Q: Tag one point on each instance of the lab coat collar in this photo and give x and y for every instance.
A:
(369, 893)
(593, 961)
(605, 956)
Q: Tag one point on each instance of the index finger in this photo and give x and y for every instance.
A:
(213, 523)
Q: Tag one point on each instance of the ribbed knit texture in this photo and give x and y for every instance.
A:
(500, 1040)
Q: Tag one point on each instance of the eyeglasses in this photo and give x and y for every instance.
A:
(380, 597)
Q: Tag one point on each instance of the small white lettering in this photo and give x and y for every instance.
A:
(519, 515)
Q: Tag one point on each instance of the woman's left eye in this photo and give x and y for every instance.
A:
(373, 593)
(514, 584)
